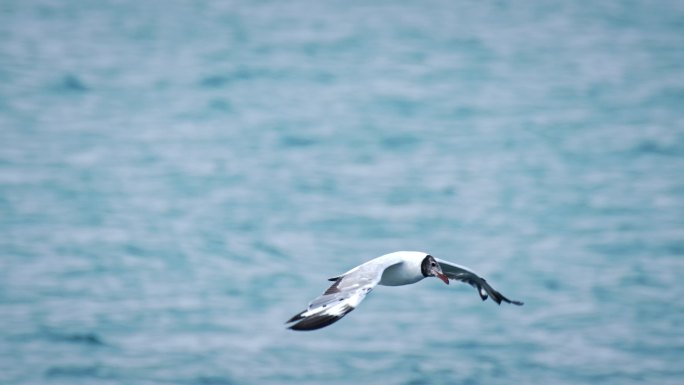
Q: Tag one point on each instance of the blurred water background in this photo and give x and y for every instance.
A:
(178, 178)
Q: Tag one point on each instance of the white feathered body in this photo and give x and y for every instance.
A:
(400, 268)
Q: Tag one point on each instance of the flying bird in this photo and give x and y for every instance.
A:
(394, 269)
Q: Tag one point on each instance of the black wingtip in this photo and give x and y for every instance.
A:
(296, 317)
(518, 303)
(500, 298)
(316, 321)
(495, 295)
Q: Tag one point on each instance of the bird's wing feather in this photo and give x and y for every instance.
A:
(463, 274)
(340, 298)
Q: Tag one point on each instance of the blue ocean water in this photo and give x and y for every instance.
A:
(179, 178)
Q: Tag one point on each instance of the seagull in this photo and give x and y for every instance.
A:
(393, 269)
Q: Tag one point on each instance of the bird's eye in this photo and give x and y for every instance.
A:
(434, 264)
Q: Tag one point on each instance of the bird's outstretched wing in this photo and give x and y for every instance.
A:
(339, 299)
(463, 274)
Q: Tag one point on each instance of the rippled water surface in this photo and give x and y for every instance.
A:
(179, 178)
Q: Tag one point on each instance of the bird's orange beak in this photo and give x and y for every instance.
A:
(442, 277)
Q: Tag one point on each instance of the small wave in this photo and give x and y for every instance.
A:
(214, 81)
(655, 148)
(213, 380)
(78, 338)
(72, 83)
(297, 141)
(79, 371)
